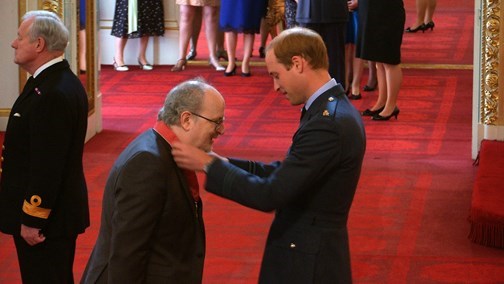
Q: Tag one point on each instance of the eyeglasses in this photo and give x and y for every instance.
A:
(219, 124)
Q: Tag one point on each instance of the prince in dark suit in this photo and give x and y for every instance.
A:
(43, 194)
(313, 188)
(151, 225)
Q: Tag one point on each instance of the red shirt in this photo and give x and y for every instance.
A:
(170, 137)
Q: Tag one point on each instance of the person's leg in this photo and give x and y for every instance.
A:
(421, 7)
(185, 31)
(210, 15)
(231, 40)
(193, 42)
(186, 28)
(82, 50)
(429, 11)
(358, 66)
(393, 76)
(144, 41)
(48, 262)
(120, 43)
(349, 50)
(264, 32)
(248, 44)
(221, 51)
(382, 87)
(333, 35)
(372, 81)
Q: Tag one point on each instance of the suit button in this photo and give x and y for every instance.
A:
(3, 147)
(292, 245)
(2, 159)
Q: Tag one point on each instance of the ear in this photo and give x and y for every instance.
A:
(186, 121)
(298, 63)
(40, 44)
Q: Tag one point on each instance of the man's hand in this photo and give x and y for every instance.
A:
(31, 235)
(352, 5)
(189, 157)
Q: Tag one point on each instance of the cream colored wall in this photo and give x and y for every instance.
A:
(161, 50)
(9, 78)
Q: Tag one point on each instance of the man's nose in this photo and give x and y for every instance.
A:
(276, 86)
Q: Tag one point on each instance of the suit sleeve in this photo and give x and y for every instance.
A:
(254, 167)
(140, 194)
(51, 135)
(314, 147)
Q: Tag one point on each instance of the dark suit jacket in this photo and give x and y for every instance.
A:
(42, 167)
(151, 230)
(312, 191)
(322, 11)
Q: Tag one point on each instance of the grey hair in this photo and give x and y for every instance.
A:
(50, 27)
(186, 96)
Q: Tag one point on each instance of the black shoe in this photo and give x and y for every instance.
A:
(419, 28)
(231, 73)
(369, 112)
(262, 54)
(248, 74)
(191, 55)
(355, 97)
(395, 113)
(430, 25)
(369, 88)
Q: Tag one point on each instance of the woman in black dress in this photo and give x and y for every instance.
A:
(149, 22)
(380, 37)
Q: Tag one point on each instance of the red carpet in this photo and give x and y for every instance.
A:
(408, 223)
(487, 212)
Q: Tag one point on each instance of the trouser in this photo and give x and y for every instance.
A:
(48, 262)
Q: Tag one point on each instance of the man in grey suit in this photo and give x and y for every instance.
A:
(313, 188)
(152, 228)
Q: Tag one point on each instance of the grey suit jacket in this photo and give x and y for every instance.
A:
(311, 190)
(151, 230)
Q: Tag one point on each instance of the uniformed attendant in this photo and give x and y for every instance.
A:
(43, 194)
(313, 188)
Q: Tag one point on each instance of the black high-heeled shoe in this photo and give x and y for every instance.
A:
(369, 112)
(230, 73)
(355, 97)
(369, 88)
(262, 54)
(430, 25)
(419, 28)
(191, 55)
(395, 113)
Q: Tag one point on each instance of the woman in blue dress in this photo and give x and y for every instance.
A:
(241, 16)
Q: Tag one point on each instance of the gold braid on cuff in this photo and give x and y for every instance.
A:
(33, 208)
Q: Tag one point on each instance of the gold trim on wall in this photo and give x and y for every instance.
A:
(91, 53)
(55, 6)
(490, 36)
